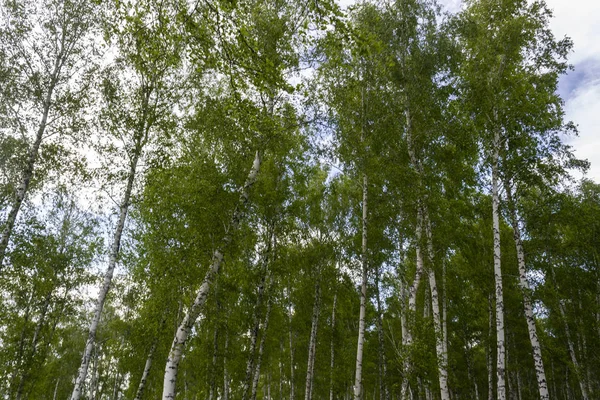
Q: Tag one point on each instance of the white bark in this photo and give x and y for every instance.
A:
(490, 361)
(582, 386)
(312, 346)
(193, 312)
(250, 363)
(261, 348)
(292, 386)
(526, 291)
(32, 156)
(147, 366)
(332, 361)
(501, 352)
(363, 298)
(225, 371)
(382, 367)
(56, 389)
(442, 355)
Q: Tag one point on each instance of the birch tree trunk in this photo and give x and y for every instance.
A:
(34, 344)
(332, 347)
(501, 352)
(213, 387)
(312, 346)
(490, 359)
(382, 367)
(363, 298)
(112, 261)
(572, 354)
(225, 371)
(147, 366)
(292, 387)
(250, 363)
(261, 348)
(193, 312)
(526, 291)
(442, 355)
(31, 157)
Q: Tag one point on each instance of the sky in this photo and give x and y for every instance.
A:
(580, 89)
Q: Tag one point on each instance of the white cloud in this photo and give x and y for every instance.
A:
(578, 19)
(583, 107)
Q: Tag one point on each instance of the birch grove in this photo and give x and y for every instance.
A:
(287, 199)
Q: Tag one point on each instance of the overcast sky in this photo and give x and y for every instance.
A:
(580, 89)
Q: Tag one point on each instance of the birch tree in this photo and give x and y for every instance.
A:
(47, 51)
(132, 113)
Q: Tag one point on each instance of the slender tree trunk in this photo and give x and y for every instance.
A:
(292, 387)
(261, 348)
(382, 367)
(363, 297)
(112, 262)
(56, 389)
(250, 363)
(31, 160)
(572, 354)
(34, 345)
(213, 372)
(147, 366)
(526, 291)
(225, 371)
(281, 377)
(412, 293)
(332, 347)
(312, 346)
(21, 348)
(501, 352)
(442, 355)
(192, 314)
(412, 307)
(490, 358)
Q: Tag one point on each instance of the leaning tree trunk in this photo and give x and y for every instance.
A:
(192, 314)
(501, 351)
(147, 366)
(363, 298)
(34, 345)
(526, 291)
(112, 262)
(571, 347)
(31, 160)
(312, 346)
